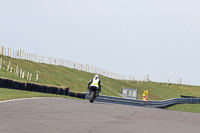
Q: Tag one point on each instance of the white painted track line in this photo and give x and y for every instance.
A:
(19, 99)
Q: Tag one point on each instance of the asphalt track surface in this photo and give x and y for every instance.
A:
(61, 115)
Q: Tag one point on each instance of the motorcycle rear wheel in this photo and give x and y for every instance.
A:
(92, 96)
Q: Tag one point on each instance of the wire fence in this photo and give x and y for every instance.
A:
(21, 54)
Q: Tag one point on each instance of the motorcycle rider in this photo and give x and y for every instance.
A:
(95, 82)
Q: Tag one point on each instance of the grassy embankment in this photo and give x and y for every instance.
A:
(77, 81)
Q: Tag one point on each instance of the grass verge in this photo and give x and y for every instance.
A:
(8, 94)
(194, 108)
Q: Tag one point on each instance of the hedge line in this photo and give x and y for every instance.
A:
(7, 83)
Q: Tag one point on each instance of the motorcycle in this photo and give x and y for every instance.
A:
(93, 93)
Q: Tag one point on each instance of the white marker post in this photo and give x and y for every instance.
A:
(37, 78)
(20, 73)
(30, 77)
(27, 75)
(168, 82)
(23, 75)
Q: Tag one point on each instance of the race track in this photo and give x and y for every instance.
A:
(61, 115)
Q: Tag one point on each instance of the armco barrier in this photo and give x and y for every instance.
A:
(149, 103)
(7, 83)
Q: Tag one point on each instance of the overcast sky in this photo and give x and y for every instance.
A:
(130, 37)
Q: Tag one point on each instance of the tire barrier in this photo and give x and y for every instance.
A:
(78, 95)
(10, 84)
(149, 103)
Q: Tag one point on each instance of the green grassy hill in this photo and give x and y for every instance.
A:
(78, 80)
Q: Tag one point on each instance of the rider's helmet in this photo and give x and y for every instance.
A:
(96, 76)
